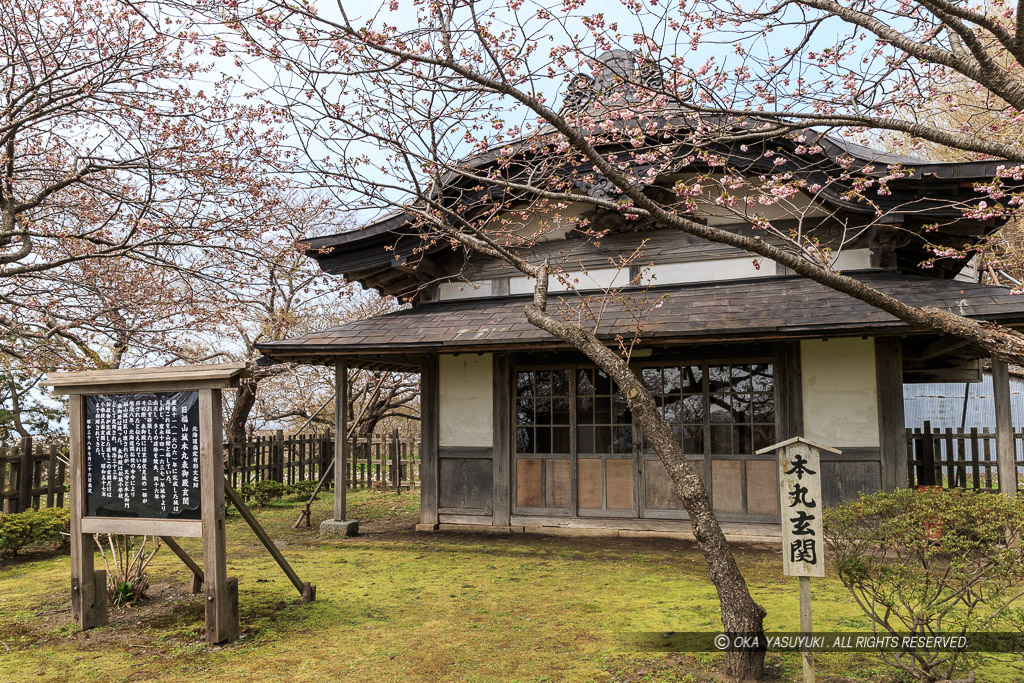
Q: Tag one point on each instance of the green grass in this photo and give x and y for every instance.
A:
(396, 605)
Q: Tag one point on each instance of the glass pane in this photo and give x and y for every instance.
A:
(740, 409)
(741, 378)
(653, 380)
(543, 411)
(524, 384)
(692, 380)
(524, 411)
(764, 436)
(560, 411)
(693, 439)
(672, 380)
(693, 409)
(741, 440)
(718, 378)
(560, 382)
(671, 409)
(585, 383)
(559, 439)
(623, 439)
(720, 411)
(603, 439)
(622, 414)
(585, 410)
(762, 377)
(544, 383)
(543, 440)
(721, 440)
(764, 408)
(603, 384)
(603, 410)
(585, 439)
(524, 440)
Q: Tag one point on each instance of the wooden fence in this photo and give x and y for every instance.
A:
(387, 461)
(958, 459)
(34, 475)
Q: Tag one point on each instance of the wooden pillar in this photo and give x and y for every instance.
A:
(429, 435)
(892, 437)
(220, 593)
(502, 426)
(88, 586)
(1006, 450)
(789, 388)
(340, 438)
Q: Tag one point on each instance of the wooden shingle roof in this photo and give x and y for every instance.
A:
(765, 308)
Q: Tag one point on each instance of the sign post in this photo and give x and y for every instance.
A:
(800, 505)
(146, 455)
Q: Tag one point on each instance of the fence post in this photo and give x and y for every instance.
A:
(927, 476)
(278, 452)
(396, 467)
(25, 475)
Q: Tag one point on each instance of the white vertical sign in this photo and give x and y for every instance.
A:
(803, 549)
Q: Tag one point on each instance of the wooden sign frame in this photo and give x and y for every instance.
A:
(88, 585)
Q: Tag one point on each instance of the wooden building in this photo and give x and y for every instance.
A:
(520, 431)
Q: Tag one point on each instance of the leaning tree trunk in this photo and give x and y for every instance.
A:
(740, 613)
(245, 400)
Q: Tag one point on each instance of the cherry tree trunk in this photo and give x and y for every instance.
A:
(740, 613)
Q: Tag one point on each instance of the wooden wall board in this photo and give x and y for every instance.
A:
(659, 491)
(558, 483)
(727, 485)
(590, 485)
(619, 484)
(465, 484)
(529, 484)
(845, 480)
(762, 487)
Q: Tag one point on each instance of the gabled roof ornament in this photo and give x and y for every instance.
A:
(620, 72)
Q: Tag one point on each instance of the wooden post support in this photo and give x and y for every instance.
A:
(88, 586)
(429, 431)
(196, 580)
(341, 440)
(502, 421)
(1006, 451)
(304, 588)
(221, 609)
(891, 423)
(806, 627)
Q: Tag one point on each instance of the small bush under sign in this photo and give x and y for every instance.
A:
(932, 562)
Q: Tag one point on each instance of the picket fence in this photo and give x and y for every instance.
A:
(34, 474)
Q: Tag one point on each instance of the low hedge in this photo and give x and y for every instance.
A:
(48, 526)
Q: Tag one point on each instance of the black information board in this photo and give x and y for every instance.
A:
(142, 455)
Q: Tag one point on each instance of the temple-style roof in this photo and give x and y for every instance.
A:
(739, 310)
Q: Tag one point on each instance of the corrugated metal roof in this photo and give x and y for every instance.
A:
(943, 404)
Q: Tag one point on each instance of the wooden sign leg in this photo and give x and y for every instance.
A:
(221, 601)
(88, 586)
(806, 657)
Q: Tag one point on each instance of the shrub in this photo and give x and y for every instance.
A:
(49, 526)
(930, 563)
(262, 492)
(303, 489)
